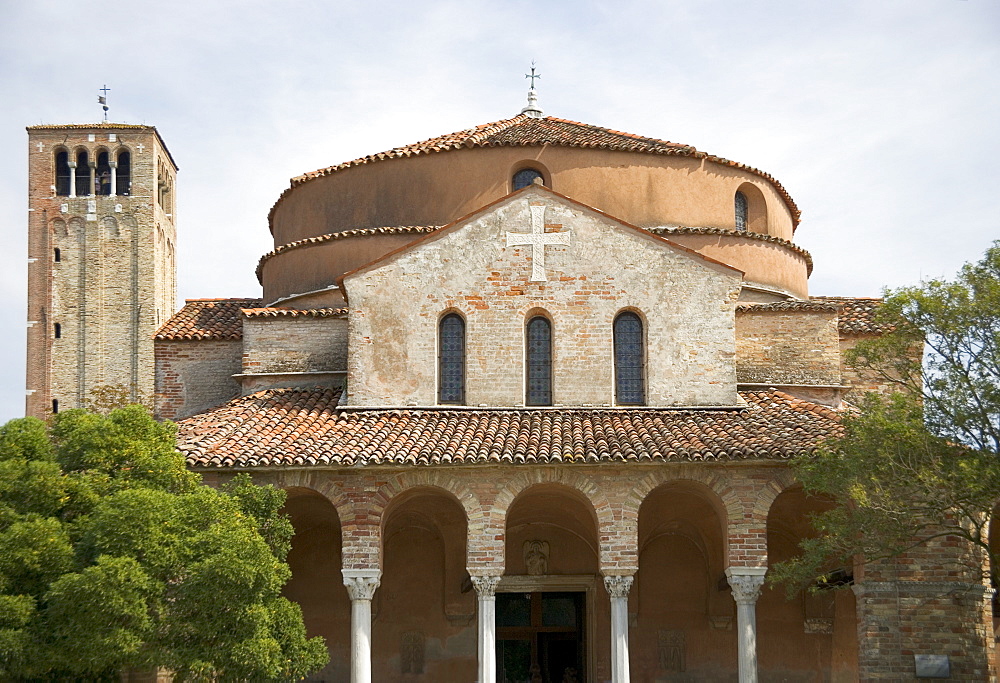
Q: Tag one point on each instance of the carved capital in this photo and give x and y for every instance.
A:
(486, 586)
(618, 586)
(361, 587)
(746, 588)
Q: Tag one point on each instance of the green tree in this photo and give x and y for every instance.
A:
(921, 465)
(114, 556)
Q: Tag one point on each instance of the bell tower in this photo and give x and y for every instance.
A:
(101, 260)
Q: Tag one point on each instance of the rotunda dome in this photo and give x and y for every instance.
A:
(335, 219)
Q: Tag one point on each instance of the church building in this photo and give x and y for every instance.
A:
(532, 389)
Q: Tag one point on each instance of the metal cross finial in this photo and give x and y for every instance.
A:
(532, 75)
(103, 100)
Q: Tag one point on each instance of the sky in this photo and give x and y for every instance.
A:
(881, 119)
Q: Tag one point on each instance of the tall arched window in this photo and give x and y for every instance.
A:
(103, 173)
(741, 212)
(525, 177)
(539, 362)
(62, 173)
(630, 381)
(451, 359)
(124, 174)
(83, 184)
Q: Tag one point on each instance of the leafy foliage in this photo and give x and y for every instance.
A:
(114, 556)
(921, 466)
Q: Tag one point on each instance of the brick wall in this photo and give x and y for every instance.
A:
(685, 301)
(787, 347)
(192, 376)
(294, 344)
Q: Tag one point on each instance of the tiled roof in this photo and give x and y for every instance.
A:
(302, 427)
(99, 124)
(523, 131)
(359, 232)
(207, 319)
(679, 230)
(294, 312)
(857, 315)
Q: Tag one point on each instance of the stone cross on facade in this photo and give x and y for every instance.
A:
(538, 239)
(140, 147)
(40, 147)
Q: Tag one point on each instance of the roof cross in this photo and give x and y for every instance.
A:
(538, 239)
(532, 75)
(103, 99)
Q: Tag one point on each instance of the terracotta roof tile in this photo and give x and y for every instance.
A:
(207, 319)
(300, 427)
(857, 315)
(523, 130)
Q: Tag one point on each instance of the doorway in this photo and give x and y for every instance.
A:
(540, 637)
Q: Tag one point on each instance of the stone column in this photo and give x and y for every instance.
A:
(114, 177)
(486, 589)
(618, 588)
(746, 583)
(72, 178)
(361, 585)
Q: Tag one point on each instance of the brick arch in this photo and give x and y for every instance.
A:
(581, 483)
(427, 478)
(306, 479)
(773, 488)
(640, 488)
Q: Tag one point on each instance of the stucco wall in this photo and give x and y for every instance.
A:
(687, 304)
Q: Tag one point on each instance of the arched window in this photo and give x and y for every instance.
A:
(56, 255)
(103, 174)
(630, 381)
(741, 212)
(525, 177)
(55, 405)
(124, 179)
(62, 173)
(57, 331)
(451, 359)
(83, 184)
(539, 362)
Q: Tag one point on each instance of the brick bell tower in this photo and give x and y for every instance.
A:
(101, 260)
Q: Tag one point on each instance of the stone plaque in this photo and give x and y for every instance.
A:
(932, 666)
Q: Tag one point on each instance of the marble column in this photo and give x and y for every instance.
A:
(72, 178)
(618, 588)
(114, 177)
(486, 589)
(361, 585)
(746, 583)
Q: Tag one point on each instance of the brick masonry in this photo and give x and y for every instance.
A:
(192, 376)
(114, 281)
(796, 347)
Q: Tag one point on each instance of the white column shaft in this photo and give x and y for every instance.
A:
(361, 585)
(72, 180)
(361, 641)
(114, 180)
(486, 588)
(746, 583)
(619, 640)
(618, 588)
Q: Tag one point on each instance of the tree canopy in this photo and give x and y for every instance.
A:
(114, 556)
(921, 465)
